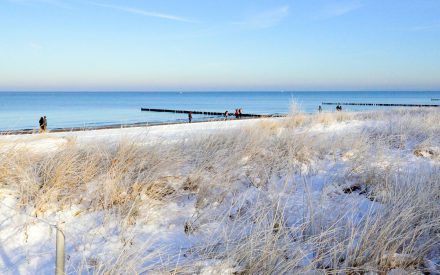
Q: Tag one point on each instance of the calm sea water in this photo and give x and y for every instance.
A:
(81, 109)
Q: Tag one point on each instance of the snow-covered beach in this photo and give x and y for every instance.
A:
(333, 192)
(43, 142)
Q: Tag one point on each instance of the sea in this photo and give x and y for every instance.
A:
(22, 110)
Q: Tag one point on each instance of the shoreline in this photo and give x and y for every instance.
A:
(171, 132)
(115, 126)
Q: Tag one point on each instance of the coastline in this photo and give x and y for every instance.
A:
(116, 126)
(136, 133)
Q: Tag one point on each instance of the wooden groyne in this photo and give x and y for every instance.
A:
(202, 112)
(382, 104)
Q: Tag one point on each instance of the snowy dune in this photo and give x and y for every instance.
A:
(47, 142)
(334, 193)
(52, 141)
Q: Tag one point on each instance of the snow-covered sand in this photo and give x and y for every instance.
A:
(174, 228)
(48, 142)
(44, 142)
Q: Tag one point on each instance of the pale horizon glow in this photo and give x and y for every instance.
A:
(115, 45)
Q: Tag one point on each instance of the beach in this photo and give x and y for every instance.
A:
(173, 132)
(220, 137)
(332, 191)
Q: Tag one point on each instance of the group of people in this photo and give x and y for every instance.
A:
(43, 124)
(238, 114)
(338, 108)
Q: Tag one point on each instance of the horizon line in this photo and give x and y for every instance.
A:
(211, 91)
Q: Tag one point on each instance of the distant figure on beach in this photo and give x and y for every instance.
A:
(320, 109)
(338, 108)
(41, 122)
(226, 115)
(237, 114)
(190, 117)
(240, 112)
(45, 123)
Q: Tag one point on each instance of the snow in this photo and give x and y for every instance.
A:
(49, 142)
(28, 242)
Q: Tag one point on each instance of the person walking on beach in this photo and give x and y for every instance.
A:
(41, 122)
(320, 109)
(226, 115)
(44, 124)
(237, 114)
(190, 117)
(240, 112)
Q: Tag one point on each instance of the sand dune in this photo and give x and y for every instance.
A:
(337, 192)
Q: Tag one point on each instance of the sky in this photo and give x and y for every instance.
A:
(216, 45)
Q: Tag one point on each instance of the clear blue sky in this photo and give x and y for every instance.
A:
(219, 45)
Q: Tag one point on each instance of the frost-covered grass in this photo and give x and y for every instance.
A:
(332, 192)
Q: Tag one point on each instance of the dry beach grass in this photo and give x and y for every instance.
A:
(328, 193)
